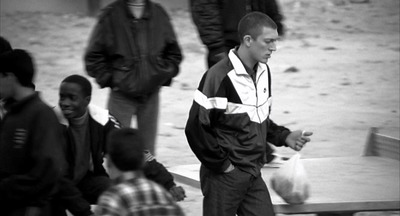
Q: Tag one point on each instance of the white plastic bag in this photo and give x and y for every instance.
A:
(290, 181)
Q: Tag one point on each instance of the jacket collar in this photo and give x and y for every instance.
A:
(146, 13)
(239, 66)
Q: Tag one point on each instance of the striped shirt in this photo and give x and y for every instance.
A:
(133, 195)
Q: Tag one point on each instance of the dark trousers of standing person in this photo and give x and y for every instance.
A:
(145, 109)
(236, 192)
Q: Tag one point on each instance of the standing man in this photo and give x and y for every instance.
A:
(133, 50)
(217, 21)
(30, 141)
(229, 126)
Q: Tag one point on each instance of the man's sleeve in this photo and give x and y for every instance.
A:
(200, 131)
(172, 54)
(157, 172)
(277, 134)
(96, 55)
(206, 16)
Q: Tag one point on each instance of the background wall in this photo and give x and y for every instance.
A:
(71, 6)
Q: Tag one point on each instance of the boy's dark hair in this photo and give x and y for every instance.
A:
(20, 63)
(84, 83)
(4, 45)
(252, 23)
(125, 148)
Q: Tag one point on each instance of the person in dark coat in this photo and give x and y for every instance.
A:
(217, 21)
(31, 160)
(133, 50)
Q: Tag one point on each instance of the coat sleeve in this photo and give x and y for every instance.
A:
(277, 134)
(157, 172)
(206, 15)
(171, 54)
(200, 127)
(96, 56)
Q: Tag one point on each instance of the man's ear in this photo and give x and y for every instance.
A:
(88, 98)
(247, 39)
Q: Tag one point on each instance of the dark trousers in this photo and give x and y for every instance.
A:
(92, 186)
(144, 109)
(236, 192)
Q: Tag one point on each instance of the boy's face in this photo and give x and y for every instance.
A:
(262, 47)
(72, 101)
(7, 85)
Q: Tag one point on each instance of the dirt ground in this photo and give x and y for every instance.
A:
(336, 73)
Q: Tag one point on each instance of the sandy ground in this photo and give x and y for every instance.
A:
(345, 80)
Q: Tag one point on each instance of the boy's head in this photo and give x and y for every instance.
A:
(16, 69)
(74, 96)
(258, 34)
(125, 150)
(4, 45)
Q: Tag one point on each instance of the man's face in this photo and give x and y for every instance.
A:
(262, 47)
(7, 85)
(72, 101)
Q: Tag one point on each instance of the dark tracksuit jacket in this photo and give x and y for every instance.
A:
(133, 56)
(100, 125)
(229, 119)
(30, 155)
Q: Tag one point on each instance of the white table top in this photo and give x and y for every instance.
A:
(338, 184)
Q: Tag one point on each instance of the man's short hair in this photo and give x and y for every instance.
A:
(125, 149)
(20, 63)
(253, 23)
(82, 81)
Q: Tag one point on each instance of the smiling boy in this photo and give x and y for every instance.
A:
(86, 130)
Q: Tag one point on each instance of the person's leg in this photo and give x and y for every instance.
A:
(257, 200)
(92, 187)
(223, 192)
(122, 108)
(147, 120)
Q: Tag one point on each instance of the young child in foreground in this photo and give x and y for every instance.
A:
(132, 193)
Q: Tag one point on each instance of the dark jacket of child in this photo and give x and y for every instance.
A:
(30, 155)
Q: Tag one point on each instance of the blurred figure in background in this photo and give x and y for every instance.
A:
(30, 141)
(4, 47)
(86, 130)
(217, 21)
(133, 50)
(132, 193)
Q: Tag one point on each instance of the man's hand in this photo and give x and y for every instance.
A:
(178, 193)
(297, 139)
